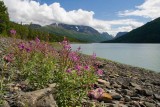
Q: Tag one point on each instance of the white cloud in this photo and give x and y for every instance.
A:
(28, 11)
(149, 9)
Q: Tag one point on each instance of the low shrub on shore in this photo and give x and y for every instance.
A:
(40, 64)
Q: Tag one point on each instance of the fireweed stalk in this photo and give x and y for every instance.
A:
(74, 76)
(40, 64)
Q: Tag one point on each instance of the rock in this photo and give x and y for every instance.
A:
(116, 96)
(127, 92)
(127, 98)
(147, 104)
(122, 105)
(104, 82)
(113, 104)
(47, 101)
(115, 85)
(112, 76)
(136, 86)
(31, 98)
(135, 98)
(100, 64)
(105, 97)
(158, 104)
(148, 93)
(156, 96)
(144, 92)
(156, 83)
(5, 104)
(136, 104)
(124, 86)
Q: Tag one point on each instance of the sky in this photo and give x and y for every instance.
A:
(110, 16)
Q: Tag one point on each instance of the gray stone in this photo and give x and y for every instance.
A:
(158, 104)
(136, 104)
(135, 98)
(136, 86)
(104, 82)
(148, 93)
(127, 92)
(127, 98)
(48, 101)
(115, 85)
(144, 92)
(116, 96)
(147, 104)
(124, 86)
(156, 96)
(33, 98)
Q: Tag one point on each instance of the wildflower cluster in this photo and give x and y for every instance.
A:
(40, 64)
(74, 76)
(35, 61)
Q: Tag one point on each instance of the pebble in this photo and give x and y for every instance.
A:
(147, 104)
(135, 98)
(127, 98)
(156, 96)
(116, 96)
(104, 82)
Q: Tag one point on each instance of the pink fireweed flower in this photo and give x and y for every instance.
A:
(96, 94)
(78, 67)
(94, 56)
(67, 46)
(9, 57)
(21, 46)
(99, 91)
(37, 40)
(73, 56)
(69, 70)
(86, 67)
(28, 49)
(99, 72)
(13, 32)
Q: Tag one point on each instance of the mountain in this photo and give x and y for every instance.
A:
(148, 33)
(35, 26)
(108, 37)
(119, 34)
(77, 28)
(81, 33)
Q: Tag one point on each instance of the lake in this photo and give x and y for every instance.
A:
(140, 55)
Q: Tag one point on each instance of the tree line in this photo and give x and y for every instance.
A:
(25, 31)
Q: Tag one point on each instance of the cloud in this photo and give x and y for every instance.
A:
(27, 11)
(149, 9)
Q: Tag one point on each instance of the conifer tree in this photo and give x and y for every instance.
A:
(4, 18)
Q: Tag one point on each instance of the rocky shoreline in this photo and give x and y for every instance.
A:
(129, 86)
(121, 86)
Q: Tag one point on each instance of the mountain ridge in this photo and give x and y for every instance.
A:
(80, 32)
(148, 33)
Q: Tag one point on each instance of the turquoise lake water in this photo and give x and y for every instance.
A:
(139, 55)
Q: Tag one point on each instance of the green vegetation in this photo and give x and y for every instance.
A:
(28, 32)
(39, 64)
(85, 37)
(4, 19)
(148, 33)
